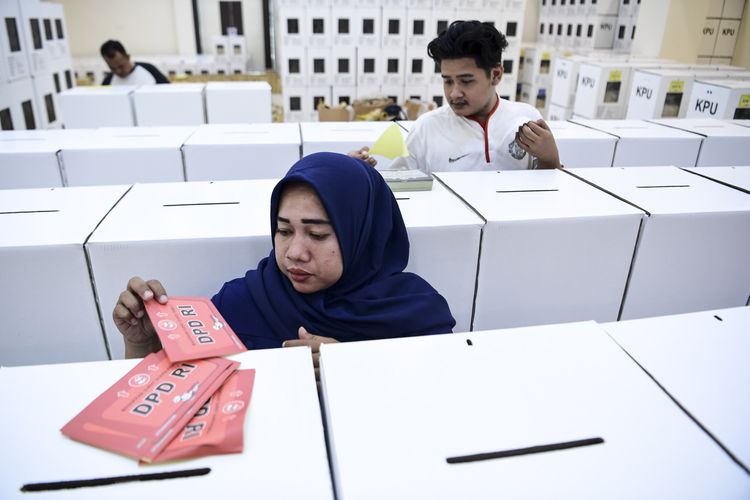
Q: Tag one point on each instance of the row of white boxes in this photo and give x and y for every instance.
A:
(164, 105)
(57, 158)
(35, 64)
(518, 387)
(506, 249)
(540, 72)
(349, 51)
(33, 37)
(32, 103)
(606, 24)
(599, 86)
(95, 69)
(651, 389)
(300, 103)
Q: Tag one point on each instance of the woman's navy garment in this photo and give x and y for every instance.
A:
(373, 299)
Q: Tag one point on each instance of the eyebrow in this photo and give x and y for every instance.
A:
(462, 75)
(304, 221)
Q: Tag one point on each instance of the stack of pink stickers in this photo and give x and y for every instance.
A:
(192, 328)
(181, 402)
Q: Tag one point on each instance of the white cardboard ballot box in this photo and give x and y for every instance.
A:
(602, 91)
(241, 151)
(702, 360)
(444, 235)
(103, 106)
(736, 177)
(662, 93)
(723, 143)
(13, 47)
(581, 146)
(29, 158)
(723, 99)
(641, 143)
(192, 236)
(18, 108)
(282, 429)
(125, 156)
(342, 137)
(238, 102)
(553, 249)
(162, 105)
(692, 248)
(47, 298)
(451, 396)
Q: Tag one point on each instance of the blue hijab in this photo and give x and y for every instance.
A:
(373, 299)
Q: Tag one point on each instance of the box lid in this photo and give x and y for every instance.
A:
(176, 88)
(245, 133)
(532, 195)
(40, 141)
(54, 216)
(571, 130)
(131, 138)
(636, 129)
(438, 207)
(100, 90)
(190, 210)
(358, 132)
(708, 127)
(667, 190)
(239, 86)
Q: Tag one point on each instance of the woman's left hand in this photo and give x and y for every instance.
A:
(313, 341)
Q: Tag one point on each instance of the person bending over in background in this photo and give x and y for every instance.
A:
(125, 72)
(335, 272)
(477, 130)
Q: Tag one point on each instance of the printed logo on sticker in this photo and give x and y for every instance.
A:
(139, 380)
(515, 150)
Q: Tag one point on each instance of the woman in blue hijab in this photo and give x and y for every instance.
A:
(335, 272)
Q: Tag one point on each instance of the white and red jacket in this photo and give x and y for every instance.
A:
(443, 141)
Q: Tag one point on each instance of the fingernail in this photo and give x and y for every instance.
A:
(163, 299)
(133, 321)
(148, 295)
(283, 344)
(139, 314)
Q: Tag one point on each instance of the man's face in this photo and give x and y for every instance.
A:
(119, 64)
(467, 88)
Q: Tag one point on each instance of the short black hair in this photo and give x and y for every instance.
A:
(110, 48)
(480, 41)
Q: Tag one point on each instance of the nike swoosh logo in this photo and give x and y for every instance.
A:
(451, 160)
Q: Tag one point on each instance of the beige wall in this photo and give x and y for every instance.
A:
(666, 28)
(143, 26)
(156, 27)
(742, 49)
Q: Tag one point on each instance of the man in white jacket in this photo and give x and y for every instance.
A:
(477, 130)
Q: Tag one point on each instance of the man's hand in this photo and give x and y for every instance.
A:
(536, 138)
(313, 341)
(131, 319)
(363, 153)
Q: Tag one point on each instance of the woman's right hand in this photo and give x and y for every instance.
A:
(131, 319)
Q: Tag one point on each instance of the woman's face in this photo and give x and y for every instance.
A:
(306, 248)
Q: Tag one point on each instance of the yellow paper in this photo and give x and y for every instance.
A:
(390, 144)
(615, 75)
(744, 101)
(677, 86)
